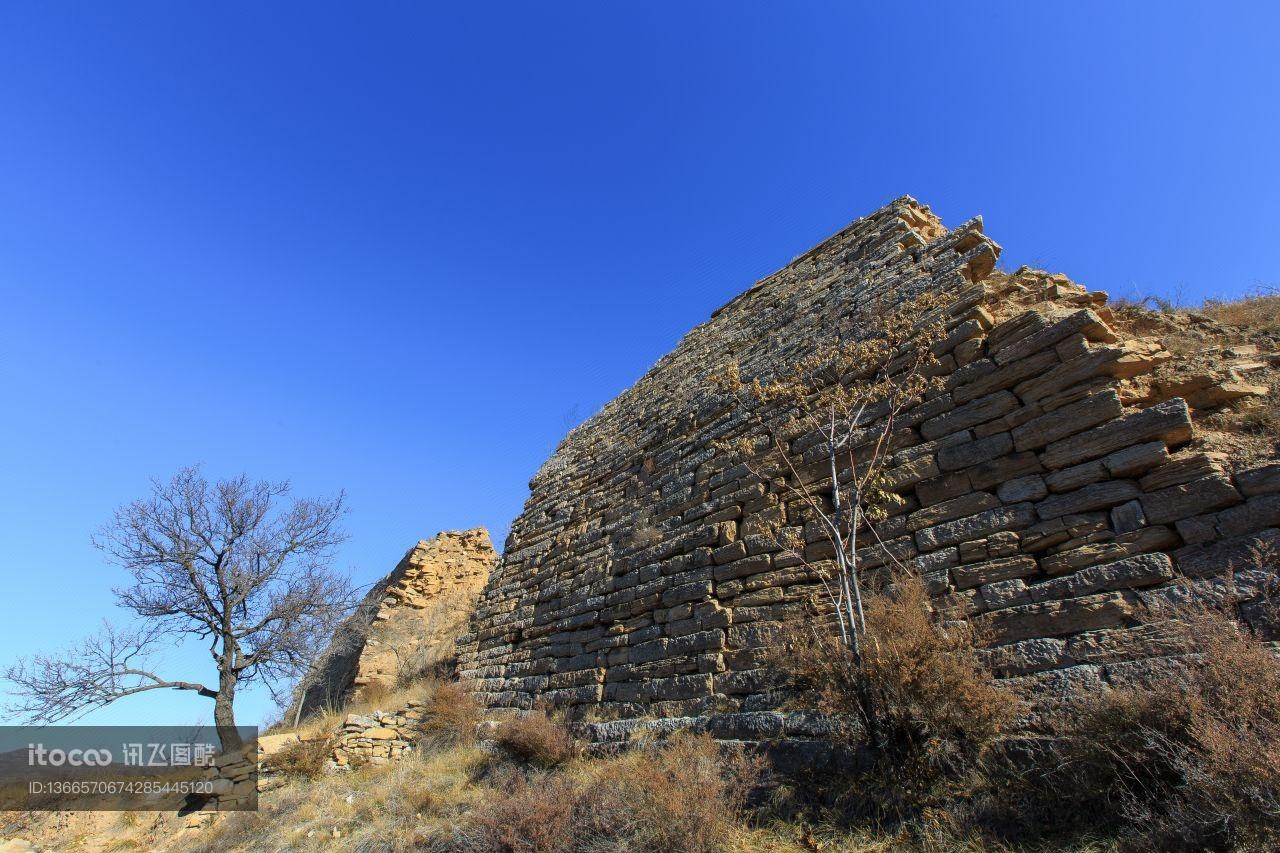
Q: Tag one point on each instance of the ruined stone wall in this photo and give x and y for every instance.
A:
(1054, 487)
(408, 622)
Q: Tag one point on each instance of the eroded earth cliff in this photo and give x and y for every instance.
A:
(408, 622)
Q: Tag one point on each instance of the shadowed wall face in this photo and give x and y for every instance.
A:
(1052, 488)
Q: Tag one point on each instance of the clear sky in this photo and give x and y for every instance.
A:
(400, 249)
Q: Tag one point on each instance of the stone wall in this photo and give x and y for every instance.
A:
(408, 622)
(1056, 487)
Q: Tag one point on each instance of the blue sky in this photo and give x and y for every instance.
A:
(400, 250)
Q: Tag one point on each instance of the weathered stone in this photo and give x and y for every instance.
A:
(1029, 488)
(1068, 420)
(1129, 573)
(977, 382)
(1254, 514)
(969, 415)
(991, 521)
(960, 507)
(1128, 517)
(1091, 497)
(990, 474)
(976, 574)
(1136, 460)
(1259, 481)
(1085, 322)
(413, 614)
(943, 488)
(1169, 505)
(1169, 422)
(1059, 618)
(1109, 550)
(1075, 477)
(974, 452)
(1184, 469)
(1235, 554)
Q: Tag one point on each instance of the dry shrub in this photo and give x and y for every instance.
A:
(524, 815)
(929, 710)
(1190, 758)
(452, 715)
(685, 795)
(934, 697)
(537, 739)
(301, 759)
(375, 693)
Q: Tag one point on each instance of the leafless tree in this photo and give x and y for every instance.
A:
(842, 407)
(235, 564)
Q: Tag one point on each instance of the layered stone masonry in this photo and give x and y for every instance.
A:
(1051, 491)
(408, 622)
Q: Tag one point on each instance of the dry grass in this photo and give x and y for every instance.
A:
(685, 795)
(303, 759)
(407, 805)
(1259, 312)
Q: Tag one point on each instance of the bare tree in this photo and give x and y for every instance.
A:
(839, 412)
(228, 563)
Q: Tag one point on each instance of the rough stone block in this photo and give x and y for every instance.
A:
(1059, 618)
(969, 415)
(1029, 488)
(1096, 496)
(1013, 517)
(1177, 502)
(1005, 568)
(990, 474)
(1129, 573)
(1068, 420)
(968, 504)
(1259, 481)
(974, 452)
(1169, 422)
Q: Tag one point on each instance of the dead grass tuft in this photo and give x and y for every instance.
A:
(1259, 311)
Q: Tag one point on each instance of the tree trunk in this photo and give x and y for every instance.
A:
(224, 717)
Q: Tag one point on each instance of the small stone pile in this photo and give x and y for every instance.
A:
(377, 738)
